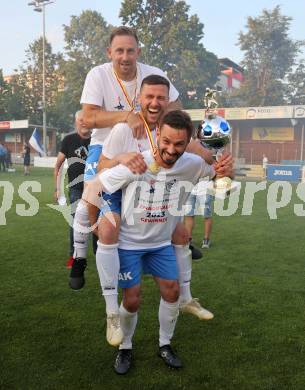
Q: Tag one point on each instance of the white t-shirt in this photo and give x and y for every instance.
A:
(152, 204)
(102, 89)
(121, 140)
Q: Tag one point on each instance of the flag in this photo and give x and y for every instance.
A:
(34, 141)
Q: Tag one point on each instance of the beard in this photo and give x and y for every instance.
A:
(168, 159)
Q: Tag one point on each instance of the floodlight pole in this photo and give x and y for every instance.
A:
(44, 108)
(40, 7)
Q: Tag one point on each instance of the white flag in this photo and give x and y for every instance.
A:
(34, 141)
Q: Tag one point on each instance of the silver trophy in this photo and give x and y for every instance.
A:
(215, 133)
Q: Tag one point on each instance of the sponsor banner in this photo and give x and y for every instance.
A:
(196, 114)
(283, 172)
(273, 134)
(271, 112)
(5, 125)
(299, 112)
(235, 113)
(199, 115)
(22, 124)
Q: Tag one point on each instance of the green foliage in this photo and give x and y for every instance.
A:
(29, 80)
(269, 55)
(86, 41)
(5, 94)
(171, 40)
(296, 85)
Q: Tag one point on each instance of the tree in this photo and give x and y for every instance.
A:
(296, 85)
(269, 57)
(5, 92)
(86, 41)
(171, 40)
(29, 81)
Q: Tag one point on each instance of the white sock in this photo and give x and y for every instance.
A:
(128, 326)
(108, 267)
(81, 229)
(184, 262)
(168, 314)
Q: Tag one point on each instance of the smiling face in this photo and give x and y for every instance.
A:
(124, 52)
(171, 144)
(154, 100)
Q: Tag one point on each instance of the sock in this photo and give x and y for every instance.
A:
(81, 228)
(108, 267)
(128, 326)
(184, 263)
(168, 314)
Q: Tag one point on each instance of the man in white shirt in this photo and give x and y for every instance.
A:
(146, 230)
(109, 97)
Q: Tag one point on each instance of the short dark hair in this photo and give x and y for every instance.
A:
(179, 120)
(155, 79)
(123, 30)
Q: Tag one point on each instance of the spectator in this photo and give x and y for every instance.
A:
(74, 148)
(26, 158)
(3, 153)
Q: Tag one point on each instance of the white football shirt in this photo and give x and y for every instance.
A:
(121, 140)
(152, 203)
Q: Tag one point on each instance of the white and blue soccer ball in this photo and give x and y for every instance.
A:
(214, 132)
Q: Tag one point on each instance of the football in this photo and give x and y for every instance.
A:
(214, 132)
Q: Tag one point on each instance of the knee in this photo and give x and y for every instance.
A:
(170, 292)
(109, 227)
(132, 302)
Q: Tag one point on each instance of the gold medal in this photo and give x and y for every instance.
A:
(154, 167)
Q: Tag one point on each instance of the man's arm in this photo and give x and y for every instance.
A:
(57, 174)
(96, 117)
(195, 147)
(134, 161)
(110, 180)
(176, 105)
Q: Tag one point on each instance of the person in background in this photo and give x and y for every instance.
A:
(74, 149)
(3, 153)
(8, 159)
(265, 163)
(200, 205)
(26, 158)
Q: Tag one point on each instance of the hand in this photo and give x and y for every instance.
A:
(133, 161)
(136, 124)
(87, 122)
(224, 167)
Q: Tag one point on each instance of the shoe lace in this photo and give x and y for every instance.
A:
(115, 321)
(196, 303)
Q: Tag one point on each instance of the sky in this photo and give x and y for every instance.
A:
(223, 20)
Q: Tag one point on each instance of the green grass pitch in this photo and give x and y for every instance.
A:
(252, 278)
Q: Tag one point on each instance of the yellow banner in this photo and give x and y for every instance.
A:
(273, 134)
